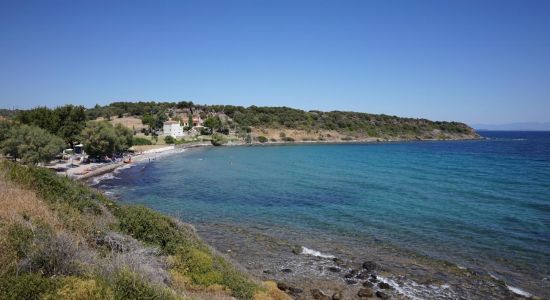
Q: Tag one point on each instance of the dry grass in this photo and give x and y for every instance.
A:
(271, 292)
(298, 135)
(18, 205)
(129, 122)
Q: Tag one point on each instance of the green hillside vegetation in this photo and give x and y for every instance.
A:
(69, 122)
(60, 239)
(365, 124)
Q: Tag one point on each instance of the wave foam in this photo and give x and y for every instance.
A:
(99, 179)
(415, 291)
(519, 291)
(311, 252)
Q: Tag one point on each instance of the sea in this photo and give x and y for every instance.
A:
(441, 219)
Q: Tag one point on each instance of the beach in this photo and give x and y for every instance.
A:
(86, 171)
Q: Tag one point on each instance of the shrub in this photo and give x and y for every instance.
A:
(129, 285)
(205, 269)
(262, 139)
(27, 286)
(151, 227)
(81, 289)
(218, 139)
(19, 238)
(169, 139)
(141, 141)
(288, 139)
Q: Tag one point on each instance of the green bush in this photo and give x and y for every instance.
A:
(288, 139)
(27, 286)
(141, 141)
(129, 285)
(169, 139)
(75, 288)
(206, 269)
(218, 139)
(151, 227)
(19, 239)
(262, 139)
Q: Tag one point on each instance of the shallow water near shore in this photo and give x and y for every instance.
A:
(442, 219)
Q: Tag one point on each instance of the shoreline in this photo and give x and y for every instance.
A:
(102, 169)
(173, 149)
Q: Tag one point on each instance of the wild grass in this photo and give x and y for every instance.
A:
(66, 241)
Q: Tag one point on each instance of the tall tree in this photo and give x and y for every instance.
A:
(213, 123)
(72, 121)
(31, 144)
(102, 138)
(42, 117)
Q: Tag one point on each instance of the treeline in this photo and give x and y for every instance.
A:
(375, 125)
(40, 134)
(75, 123)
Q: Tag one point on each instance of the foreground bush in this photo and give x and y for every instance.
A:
(27, 286)
(190, 257)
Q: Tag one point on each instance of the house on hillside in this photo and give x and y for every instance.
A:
(172, 128)
(197, 121)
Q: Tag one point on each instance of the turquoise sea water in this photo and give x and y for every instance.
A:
(482, 204)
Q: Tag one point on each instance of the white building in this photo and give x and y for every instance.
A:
(172, 128)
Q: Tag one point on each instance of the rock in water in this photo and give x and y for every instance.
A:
(382, 295)
(318, 295)
(286, 270)
(368, 284)
(337, 296)
(365, 293)
(370, 266)
(362, 275)
(384, 286)
(282, 286)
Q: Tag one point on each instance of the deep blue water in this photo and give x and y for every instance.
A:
(482, 204)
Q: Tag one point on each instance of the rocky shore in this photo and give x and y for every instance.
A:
(344, 274)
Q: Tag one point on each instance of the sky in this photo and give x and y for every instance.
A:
(475, 61)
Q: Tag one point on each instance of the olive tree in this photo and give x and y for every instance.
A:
(31, 144)
(102, 138)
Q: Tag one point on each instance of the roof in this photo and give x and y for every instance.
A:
(170, 122)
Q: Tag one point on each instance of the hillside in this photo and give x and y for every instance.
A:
(304, 125)
(62, 240)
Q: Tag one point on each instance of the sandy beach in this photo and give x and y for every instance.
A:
(86, 171)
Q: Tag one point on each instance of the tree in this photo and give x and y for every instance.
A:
(102, 138)
(42, 117)
(148, 120)
(72, 121)
(5, 127)
(31, 144)
(213, 123)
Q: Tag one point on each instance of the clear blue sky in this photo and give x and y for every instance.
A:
(477, 61)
